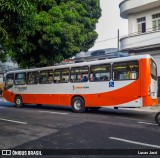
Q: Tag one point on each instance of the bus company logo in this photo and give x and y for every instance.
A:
(111, 84)
(80, 87)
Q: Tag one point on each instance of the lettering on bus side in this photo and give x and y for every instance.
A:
(80, 87)
(21, 88)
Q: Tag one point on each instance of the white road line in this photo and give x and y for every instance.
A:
(2, 107)
(51, 112)
(134, 142)
(148, 123)
(2, 119)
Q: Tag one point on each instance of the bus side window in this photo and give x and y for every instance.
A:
(46, 77)
(9, 81)
(74, 74)
(100, 72)
(20, 78)
(79, 74)
(57, 74)
(65, 75)
(125, 70)
(33, 77)
(61, 75)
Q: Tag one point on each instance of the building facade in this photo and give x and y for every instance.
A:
(143, 28)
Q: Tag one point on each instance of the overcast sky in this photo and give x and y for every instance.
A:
(109, 23)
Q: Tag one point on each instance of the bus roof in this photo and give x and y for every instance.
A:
(122, 59)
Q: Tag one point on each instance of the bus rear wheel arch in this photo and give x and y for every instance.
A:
(78, 104)
(18, 101)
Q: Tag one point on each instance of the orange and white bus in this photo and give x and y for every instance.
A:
(87, 85)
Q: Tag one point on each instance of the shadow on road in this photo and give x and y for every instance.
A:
(124, 113)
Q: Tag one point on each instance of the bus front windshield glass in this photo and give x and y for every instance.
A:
(9, 81)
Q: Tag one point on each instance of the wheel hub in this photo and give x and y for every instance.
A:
(77, 105)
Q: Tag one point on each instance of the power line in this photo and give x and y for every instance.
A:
(126, 35)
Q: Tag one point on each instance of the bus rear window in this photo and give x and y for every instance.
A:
(153, 70)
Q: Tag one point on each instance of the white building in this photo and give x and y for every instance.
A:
(143, 28)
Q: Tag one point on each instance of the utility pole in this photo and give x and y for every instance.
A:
(118, 40)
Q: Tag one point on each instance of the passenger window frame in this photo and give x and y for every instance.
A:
(48, 71)
(124, 79)
(61, 70)
(24, 78)
(80, 73)
(106, 72)
(27, 77)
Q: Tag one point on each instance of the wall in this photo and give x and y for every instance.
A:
(132, 19)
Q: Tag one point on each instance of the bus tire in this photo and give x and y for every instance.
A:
(18, 101)
(157, 118)
(78, 105)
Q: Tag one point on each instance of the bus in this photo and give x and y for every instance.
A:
(87, 85)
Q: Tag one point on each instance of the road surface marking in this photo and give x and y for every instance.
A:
(127, 118)
(134, 142)
(51, 112)
(2, 119)
(2, 107)
(148, 123)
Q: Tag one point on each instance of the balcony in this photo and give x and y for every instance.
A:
(143, 40)
(133, 6)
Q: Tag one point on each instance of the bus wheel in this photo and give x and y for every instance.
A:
(18, 101)
(78, 105)
(157, 118)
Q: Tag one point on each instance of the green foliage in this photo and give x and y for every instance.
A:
(47, 31)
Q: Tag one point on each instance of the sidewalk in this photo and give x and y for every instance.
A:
(155, 108)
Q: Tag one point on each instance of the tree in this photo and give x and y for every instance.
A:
(62, 28)
(17, 19)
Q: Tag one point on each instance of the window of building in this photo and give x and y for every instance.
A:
(79, 74)
(141, 23)
(100, 72)
(61, 75)
(32, 77)
(9, 81)
(156, 22)
(20, 78)
(125, 71)
(46, 76)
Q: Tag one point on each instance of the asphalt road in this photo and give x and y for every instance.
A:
(47, 127)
